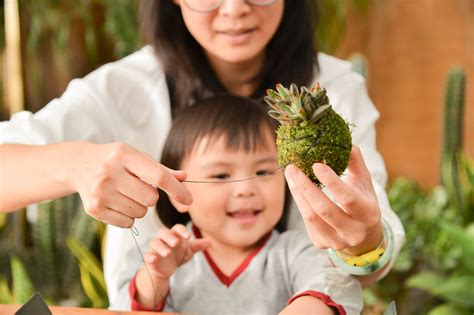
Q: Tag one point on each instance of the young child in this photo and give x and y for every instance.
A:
(230, 257)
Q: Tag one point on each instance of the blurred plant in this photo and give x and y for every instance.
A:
(92, 276)
(115, 19)
(66, 39)
(434, 273)
(332, 21)
(22, 288)
(52, 268)
(456, 288)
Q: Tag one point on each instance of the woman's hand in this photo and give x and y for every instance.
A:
(169, 250)
(117, 182)
(353, 222)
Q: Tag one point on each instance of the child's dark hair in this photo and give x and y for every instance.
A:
(240, 121)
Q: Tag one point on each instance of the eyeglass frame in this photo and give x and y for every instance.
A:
(218, 4)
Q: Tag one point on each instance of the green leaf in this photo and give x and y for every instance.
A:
(426, 281)
(87, 260)
(449, 309)
(6, 296)
(96, 294)
(457, 289)
(273, 94)
(282, 90)
(23, 288)
(462, 239)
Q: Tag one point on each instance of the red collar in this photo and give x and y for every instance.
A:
(227, 280)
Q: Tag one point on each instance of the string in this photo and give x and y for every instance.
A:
(224, 181)
(305, 153)
(134, 232)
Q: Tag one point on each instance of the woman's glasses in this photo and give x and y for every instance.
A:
(206, 6)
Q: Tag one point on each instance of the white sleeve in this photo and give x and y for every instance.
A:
(76, 115)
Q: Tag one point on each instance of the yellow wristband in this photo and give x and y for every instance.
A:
(369, 262)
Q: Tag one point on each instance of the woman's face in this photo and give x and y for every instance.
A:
(236, 32)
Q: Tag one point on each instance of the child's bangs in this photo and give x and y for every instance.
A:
(247, 137)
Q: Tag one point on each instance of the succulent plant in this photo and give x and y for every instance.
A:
(310, 131)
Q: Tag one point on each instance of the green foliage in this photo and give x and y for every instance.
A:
(115, 20)
(332, 21)
(435, 268)
(52, 268)
(453, 173)
(92, 276)
(453, 111)
(22, 287)
(121, 25)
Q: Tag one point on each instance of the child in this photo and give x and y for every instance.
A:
(234, 260)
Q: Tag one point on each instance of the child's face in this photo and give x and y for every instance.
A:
(235, 32)
(236, 214)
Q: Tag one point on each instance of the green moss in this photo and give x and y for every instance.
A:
(328, 141)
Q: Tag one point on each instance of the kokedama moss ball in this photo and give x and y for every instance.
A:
(310, 131)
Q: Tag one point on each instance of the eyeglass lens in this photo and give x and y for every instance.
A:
(210, 5)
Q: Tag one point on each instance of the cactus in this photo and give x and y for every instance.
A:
(453, 111)
(44, 239)
(84, 229)
(451, 173)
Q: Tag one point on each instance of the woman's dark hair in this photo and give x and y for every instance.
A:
(291, 53)
(240, 121)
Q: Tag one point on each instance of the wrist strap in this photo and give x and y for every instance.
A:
(369, 262)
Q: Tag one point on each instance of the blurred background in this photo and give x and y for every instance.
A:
(418, 59)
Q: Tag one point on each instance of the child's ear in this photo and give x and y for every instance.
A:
(180, 207)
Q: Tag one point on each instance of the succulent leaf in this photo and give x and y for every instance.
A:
(283, 91)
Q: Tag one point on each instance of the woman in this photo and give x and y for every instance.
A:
(103, 137)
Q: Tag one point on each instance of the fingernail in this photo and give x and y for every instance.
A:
(164, 252)
(320, 168)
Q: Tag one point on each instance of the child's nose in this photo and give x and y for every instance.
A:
(244, 188)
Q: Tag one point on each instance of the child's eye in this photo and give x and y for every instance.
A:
(221, 176)
(263, 173)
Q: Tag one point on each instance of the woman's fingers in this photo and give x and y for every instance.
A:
(312, 202)
(153, 173)
(111, 216)
(105, 174)
(137, 191)
(328, 225)
(358, 170)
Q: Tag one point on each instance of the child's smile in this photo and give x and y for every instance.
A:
(244, 216)
(229, 211)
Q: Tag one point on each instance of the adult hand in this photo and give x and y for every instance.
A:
(117, 182)
(353, 221)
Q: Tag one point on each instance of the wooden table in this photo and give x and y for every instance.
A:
(8, 309)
